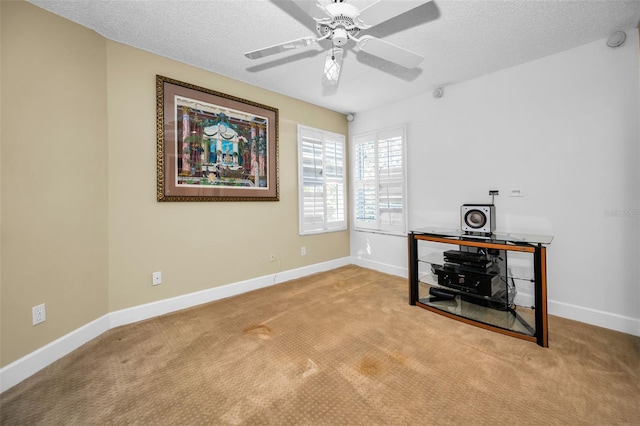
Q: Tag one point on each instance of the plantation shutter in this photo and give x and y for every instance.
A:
(391, 180)
(379, 181)
(365, 193)
(321, 181)
(335, 202)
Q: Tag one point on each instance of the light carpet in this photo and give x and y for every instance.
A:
(336, 348)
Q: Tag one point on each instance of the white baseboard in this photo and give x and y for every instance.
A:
(19, 370)
(381, 267)
(524, 299)
(595, 317)
(150, 310)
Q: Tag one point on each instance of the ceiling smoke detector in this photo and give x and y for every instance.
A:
(616, 39)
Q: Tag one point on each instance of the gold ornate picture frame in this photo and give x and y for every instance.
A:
(214, 147)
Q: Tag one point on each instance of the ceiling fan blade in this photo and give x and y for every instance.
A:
(383, 10)
(390, 52)
(312, 8)
(332, 66)
(289, 45)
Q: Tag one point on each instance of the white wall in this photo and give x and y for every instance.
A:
(564, 129)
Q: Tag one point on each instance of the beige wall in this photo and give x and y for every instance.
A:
(81, 228)
(196, 245)
(54, 177)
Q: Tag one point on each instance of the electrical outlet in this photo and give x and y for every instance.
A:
(156, 278)
(303, 251)
(516, 192)
(39, 314)
(273, 258)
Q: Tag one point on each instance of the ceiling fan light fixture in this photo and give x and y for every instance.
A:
(332, 65)
(340, 37)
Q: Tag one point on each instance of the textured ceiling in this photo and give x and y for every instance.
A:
(459, 39)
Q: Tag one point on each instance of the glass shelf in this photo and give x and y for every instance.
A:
(498, 237)
(517, 319)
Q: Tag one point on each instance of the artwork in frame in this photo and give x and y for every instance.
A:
(214, 147)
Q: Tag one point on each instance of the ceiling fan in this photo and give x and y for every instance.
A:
(340, 22)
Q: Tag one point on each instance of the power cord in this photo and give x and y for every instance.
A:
(277, 259)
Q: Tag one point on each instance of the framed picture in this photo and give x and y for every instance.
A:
(214, 147)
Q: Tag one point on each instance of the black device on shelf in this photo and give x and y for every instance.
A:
(439, 294)
(462, 261)
(465, 256)
(474, 273)
(482, 284)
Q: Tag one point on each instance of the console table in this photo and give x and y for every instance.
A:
(468, 278)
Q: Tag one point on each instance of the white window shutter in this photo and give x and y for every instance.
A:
(321, 181)
(391, 181)
(379, 181)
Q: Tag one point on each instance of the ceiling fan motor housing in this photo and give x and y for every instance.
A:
(342, 24)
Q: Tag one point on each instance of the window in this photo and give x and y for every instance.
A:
(321, 181)
(378, 170)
